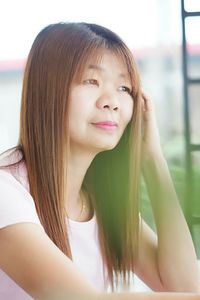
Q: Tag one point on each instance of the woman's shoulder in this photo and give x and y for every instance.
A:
(16, 172)
(16, 203)
(10, 184)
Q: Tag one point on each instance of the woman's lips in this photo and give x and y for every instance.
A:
(107, 125)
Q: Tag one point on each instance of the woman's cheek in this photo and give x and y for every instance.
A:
(129, 111)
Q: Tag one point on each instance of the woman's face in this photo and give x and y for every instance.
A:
(100, 106)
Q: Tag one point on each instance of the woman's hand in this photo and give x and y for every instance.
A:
(174, 256)
(151, 139)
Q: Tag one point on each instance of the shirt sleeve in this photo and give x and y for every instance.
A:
(16, 204)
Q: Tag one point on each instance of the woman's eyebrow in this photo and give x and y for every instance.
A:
(101, 69)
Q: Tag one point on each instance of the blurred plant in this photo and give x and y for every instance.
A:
(178, 172)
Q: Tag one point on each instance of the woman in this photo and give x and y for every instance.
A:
(69, 191)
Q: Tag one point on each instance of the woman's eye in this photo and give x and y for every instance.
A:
(126, 89)
(91, 81)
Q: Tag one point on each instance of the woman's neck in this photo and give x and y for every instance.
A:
(83, 212)
(77, 168)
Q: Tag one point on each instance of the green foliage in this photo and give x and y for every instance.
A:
(181, 183)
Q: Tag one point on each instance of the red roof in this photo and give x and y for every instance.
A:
(12, 65)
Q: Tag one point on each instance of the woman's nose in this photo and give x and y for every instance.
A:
(108, 101)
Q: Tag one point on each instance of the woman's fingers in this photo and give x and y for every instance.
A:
(147, 107)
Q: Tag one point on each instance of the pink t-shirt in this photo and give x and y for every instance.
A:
(17, 206)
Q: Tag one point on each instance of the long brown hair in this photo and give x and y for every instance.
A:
(58, 56)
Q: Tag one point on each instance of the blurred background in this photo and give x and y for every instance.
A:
(153, 31)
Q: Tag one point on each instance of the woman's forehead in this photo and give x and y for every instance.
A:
(98, 61)
(95, 59)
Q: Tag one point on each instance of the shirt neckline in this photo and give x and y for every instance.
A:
(78, 224)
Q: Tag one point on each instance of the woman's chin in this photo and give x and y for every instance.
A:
(107, 147)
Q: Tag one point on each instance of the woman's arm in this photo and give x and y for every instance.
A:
(173, 254)
(36, 264)
(31, 259)
(149, 296)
